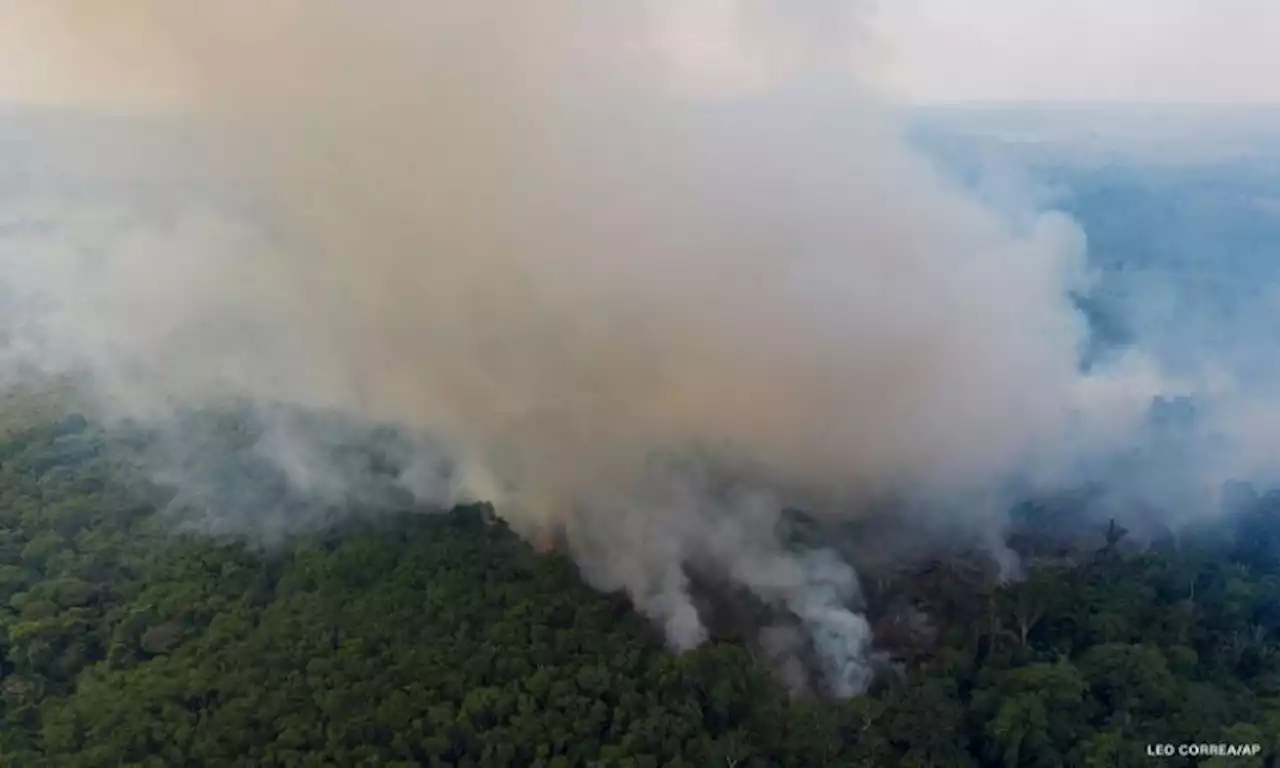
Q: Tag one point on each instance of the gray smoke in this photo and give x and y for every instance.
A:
(554, 239)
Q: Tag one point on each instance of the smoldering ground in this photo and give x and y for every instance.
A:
(632, 306)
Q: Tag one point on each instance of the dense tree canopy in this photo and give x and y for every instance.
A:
(434, 640)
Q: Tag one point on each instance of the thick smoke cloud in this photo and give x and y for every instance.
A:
(638, 310)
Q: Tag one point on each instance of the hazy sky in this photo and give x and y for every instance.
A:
(931, 50)
(1083, 50)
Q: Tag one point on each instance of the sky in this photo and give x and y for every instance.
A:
(925, 51)
(1181, 51)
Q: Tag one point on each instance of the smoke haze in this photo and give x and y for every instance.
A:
(549, 237)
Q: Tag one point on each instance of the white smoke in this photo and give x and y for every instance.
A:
(519, 229)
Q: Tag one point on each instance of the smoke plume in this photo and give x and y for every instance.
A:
(643, 293)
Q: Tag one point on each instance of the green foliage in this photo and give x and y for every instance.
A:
(443, 640)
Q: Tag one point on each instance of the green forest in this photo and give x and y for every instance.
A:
(444, 640)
